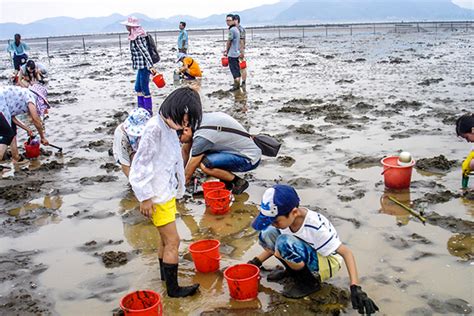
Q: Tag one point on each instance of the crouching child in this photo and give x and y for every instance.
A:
(307, 245)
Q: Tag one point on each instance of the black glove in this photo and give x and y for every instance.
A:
(256, 262)
(361, 301)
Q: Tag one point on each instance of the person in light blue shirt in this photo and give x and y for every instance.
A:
(182, 38)
(18, 49)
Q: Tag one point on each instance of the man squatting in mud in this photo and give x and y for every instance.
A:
(307, 244)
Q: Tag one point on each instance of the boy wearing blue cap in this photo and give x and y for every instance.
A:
(307, 244)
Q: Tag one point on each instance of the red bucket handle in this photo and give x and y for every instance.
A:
(385, 170)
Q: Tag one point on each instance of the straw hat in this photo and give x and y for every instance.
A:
(131, 21)
(135, 123)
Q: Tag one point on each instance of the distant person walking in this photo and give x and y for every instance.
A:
(18, 49)
(141, 61)
(182, 38)
(243, 71)
(232, 51)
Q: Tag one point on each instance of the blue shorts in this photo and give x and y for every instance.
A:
(228, 161)
(19, 60)
(143, 81)
(234, 67)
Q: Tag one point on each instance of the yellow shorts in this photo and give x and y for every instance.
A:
(329, 266)
(164, 213)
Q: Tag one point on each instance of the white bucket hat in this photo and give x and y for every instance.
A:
(135, 123)
(131, 21)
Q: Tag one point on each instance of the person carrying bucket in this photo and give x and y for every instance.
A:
(141, 62)
(243, 71)
(190, 68)
(127, 137)
(232, 51)
(465, 129)
(157, 177)
(218, 153)
(307, 244)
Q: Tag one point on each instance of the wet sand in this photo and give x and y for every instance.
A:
(72, 241)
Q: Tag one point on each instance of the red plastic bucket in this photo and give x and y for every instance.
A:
(225, 61)
(32, 150)
(206, 255)
(159, 80)
(395, 176)
(208, 186)
(243, 280)
(243, 64)
(219, 201)
(142, 303)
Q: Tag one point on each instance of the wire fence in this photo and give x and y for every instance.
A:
(77, 42)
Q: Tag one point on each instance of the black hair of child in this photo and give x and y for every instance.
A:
(465, 124)
(180, 102)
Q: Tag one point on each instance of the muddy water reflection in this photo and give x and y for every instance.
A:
(391, 208)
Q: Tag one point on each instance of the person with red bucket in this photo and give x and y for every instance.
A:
(157, 177)
(220, 154)
(465, 129)
(15, 101)
(232, 51)
(141, 62)
(307, 244)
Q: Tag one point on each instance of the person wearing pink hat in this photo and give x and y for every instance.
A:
(15, 101)
(141, 62)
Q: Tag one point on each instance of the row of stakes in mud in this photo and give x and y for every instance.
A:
(243, 279)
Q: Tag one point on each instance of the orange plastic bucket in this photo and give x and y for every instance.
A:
(395, 176)
(159, 80)
(206, 255)
(243, 280)
(142, 303)
(225, 61)
(32, 150)
(243, 64)
(219, 201)
(208, 186)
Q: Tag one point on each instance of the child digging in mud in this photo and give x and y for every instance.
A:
(308, 246)
(157, 177)
(465, 129)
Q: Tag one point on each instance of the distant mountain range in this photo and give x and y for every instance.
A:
(281, 13)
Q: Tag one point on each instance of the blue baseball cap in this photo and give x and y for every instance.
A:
(276, 201)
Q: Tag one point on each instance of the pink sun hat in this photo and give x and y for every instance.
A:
(131, 21)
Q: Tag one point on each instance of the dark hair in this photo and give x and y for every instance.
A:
(184, 23)
(236, 17)
(230, 16)
(31, 64)
(17, 35)
(465, 124)
(180, 102)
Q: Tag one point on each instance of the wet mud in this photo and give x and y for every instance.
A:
(436, 164)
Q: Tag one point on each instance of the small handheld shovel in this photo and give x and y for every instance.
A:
(60, 149)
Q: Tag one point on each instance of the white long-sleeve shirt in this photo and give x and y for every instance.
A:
(157, 170)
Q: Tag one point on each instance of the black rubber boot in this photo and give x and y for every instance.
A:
(278, 274)
(304, 283)
(172, 287)
(162, 269)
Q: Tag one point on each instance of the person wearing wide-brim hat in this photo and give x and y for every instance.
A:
(141, 62)
(15, 101)
(127, 137)
(190, 68)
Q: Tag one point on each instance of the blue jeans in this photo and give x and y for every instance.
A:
(291, 248)
(143, 81)
(228, 161)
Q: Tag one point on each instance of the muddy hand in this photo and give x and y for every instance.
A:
(361, 301)
(146, 208)
(44, 141)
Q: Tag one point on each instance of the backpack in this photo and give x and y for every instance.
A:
(155, 57)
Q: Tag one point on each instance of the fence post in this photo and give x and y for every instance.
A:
(47, 47)
(467, 28)
(120, 43)
(83, 44)
(303, 31)
(279, 35)
(452, 27)
(395, 28)
(251, 31)
(436, 27)
(326, 30)
(351, 29)
(223, 36)
(418, 27)
(374, 29)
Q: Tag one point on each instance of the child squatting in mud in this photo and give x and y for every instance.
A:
(465, 129)
(157, 177)
(308, 246)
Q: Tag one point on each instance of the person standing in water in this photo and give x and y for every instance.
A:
(141, 62)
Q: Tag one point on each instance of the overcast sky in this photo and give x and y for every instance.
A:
(26, 11)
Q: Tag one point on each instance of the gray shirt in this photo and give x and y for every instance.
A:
(207, 140)
(234, 37)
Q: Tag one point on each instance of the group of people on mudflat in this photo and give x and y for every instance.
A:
(160, 153)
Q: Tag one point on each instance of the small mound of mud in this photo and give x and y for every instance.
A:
(286, 161)
(438, 197)
(438, 163)
(220, 94)
(363, 162)
(85, 214)
(110, 167)
(343, 81)
(453, 305)
(362, 106)
(18, 192)
(45, 153)
(300, 183)
(19, 225)
(428, 82)
(305, 129)
(96, 143)
(100, 178)
(357, 194)
(113, 259)
(462, 246)
(53, 165)
(94, 246)
(451, 223)
(403, 104)
(290, 109)
(469, 195)
(304, 101)
(81, 65)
